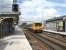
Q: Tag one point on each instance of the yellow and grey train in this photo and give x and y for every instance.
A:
(37, 27)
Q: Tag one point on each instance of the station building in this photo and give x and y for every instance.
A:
(56, 24)
(9, 17)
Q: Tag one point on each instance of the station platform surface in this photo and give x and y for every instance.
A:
(62, 33)
(17, 41)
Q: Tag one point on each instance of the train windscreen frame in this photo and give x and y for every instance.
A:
(38, 24)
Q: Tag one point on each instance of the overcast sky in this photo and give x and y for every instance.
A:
(38, 10)
(6, 5)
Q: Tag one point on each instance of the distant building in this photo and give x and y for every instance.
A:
(56, 24)
(9, 16)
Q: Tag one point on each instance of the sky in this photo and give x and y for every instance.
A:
(6, 5)
(36, 10)
(40, 10)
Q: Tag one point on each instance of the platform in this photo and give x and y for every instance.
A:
(61, 33)
(16, 41)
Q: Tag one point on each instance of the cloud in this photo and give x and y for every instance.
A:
(49, 13)
(6, 5)
(38, 10)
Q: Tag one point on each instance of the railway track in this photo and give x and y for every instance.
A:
(56, 36)
(34, 41)
(53, 43)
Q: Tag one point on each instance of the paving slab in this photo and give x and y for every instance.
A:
(18, 41)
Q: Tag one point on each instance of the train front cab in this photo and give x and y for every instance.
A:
(37, 27)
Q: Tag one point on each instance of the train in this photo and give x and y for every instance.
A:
(37, 27)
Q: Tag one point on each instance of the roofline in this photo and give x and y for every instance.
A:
(56, 18)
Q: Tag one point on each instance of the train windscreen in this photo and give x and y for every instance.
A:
(38, 24)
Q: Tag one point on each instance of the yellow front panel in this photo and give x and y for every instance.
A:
(37, 27)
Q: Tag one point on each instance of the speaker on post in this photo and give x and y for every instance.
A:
(15, 7)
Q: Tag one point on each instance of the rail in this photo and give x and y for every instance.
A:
(57, 35)
(53, 43)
